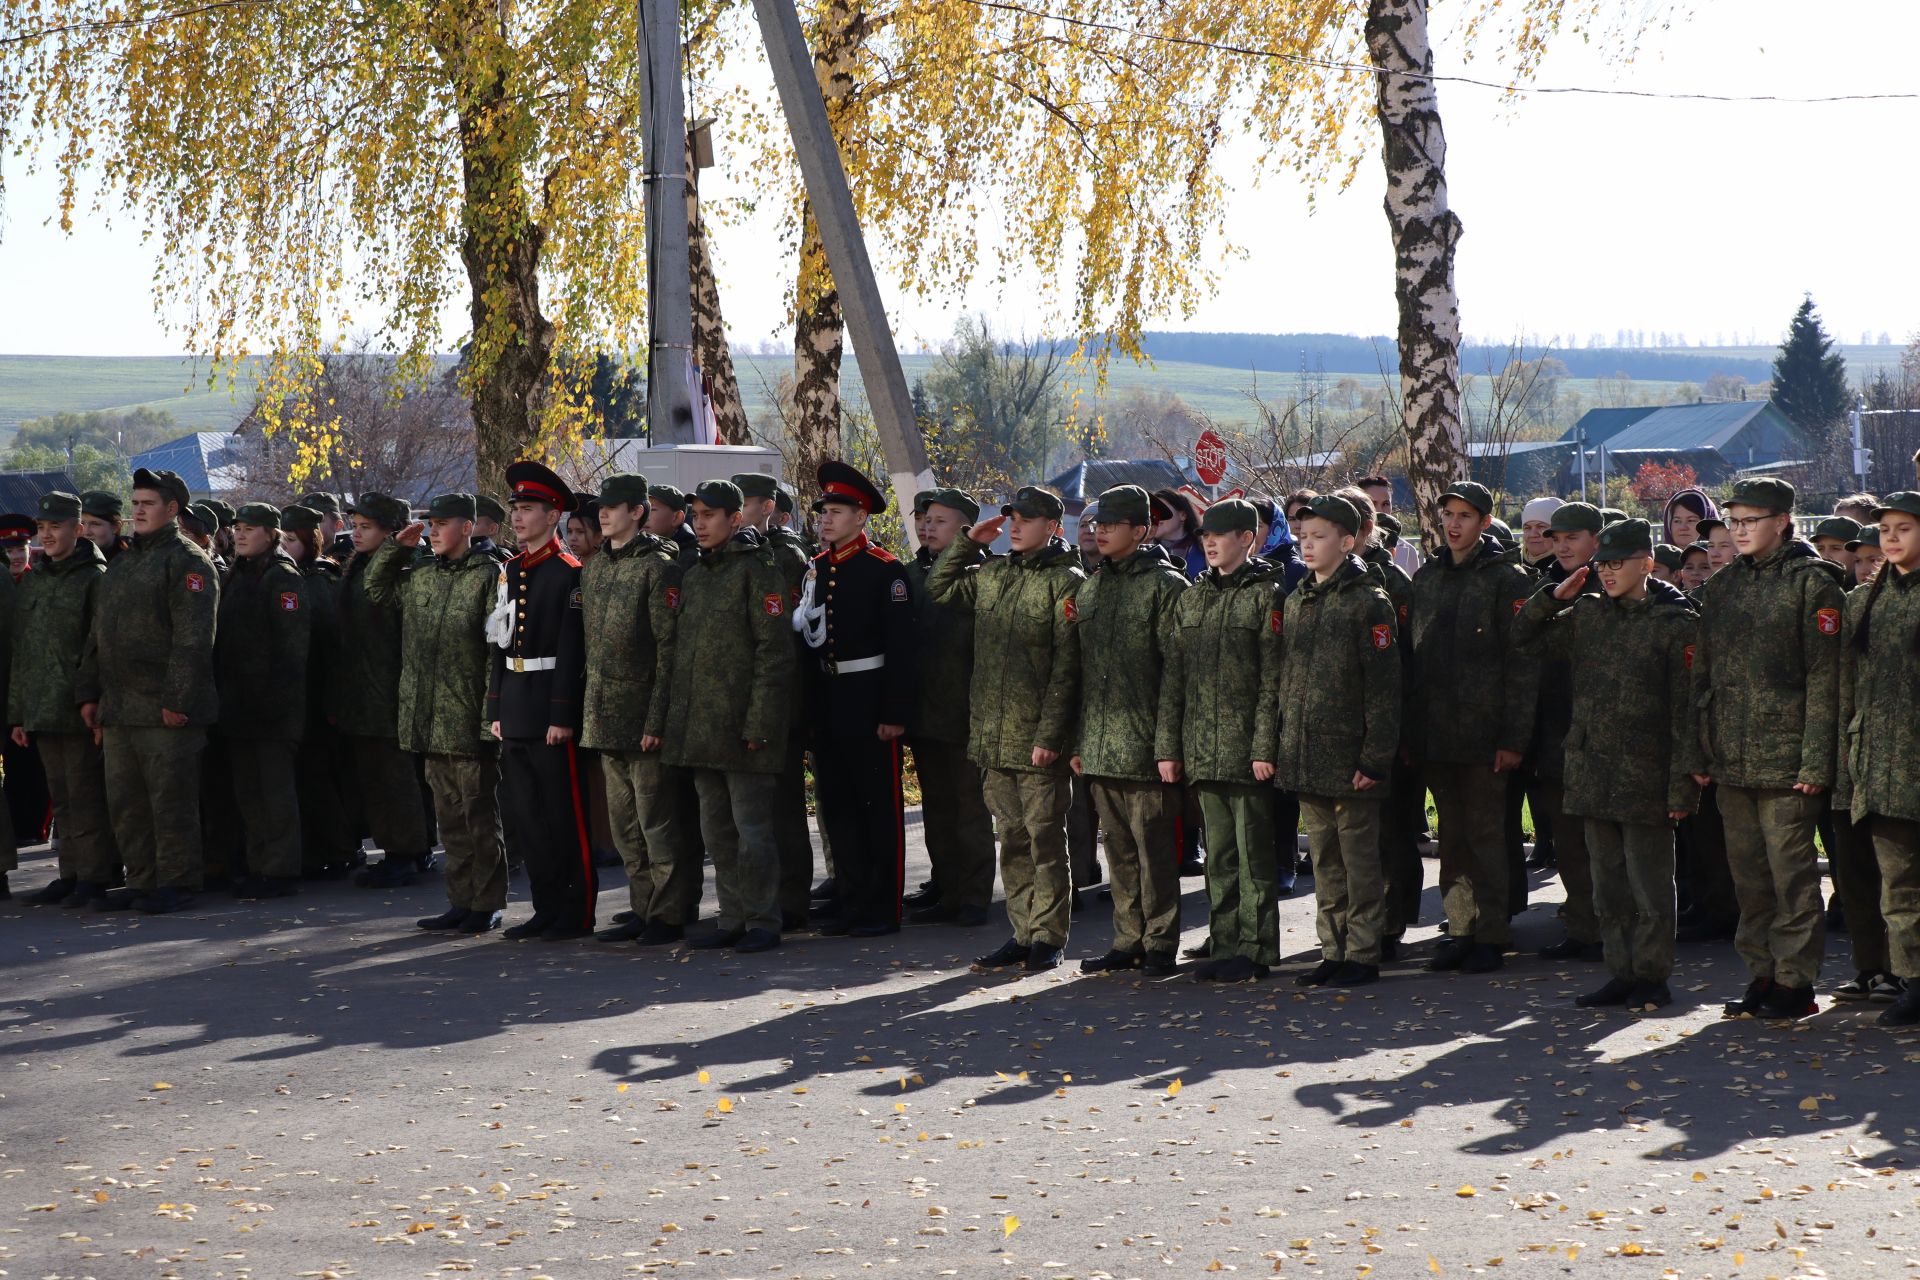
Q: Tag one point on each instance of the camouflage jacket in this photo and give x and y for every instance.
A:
(1553, 716)
(944, 636)
(260, 658)
(442, 607)
(794, 558)
(1220, 697)
(1339, 685)
(1124, 614)
(151, 645)
(1393, 580)
(363, 672)
(52, 613)
(629, 624)
(1471, 694)
(1025, 687)
(1632, 746)
(733, 660)
(1879, 690)
(1766, 672)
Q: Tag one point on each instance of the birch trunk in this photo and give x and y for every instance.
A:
(1425, 235)
(710, 352)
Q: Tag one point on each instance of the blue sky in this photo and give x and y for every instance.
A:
(1583, 214)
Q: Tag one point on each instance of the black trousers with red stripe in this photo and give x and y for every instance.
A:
(543, 809)
(857, 781)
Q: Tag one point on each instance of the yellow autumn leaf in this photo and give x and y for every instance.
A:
(1739, 1259)
(1433, 1264)
(1809, 1104)
(1009, 1225)
(704, 1078)
(620, 1088)
(160, 1086)
(724, 1106)
(1467, 1192)
(1632, 1249)
(1699, 1177)
(1173, 1090)
(100, 1197)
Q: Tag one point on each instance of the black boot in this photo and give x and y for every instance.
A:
(53, 891)
(480, 922)
(1614, 993)
(1010, 953)
(1787, 1003)
(532, 927)
(1904, 1012)
(626, 931)
(451, 918)
(1318, 975)
(1748, 1005)
(1648, 996)
(1112, 962)
(1352, 973)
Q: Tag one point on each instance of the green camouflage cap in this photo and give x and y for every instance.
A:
(1838, 527)
(486, 506)
(59, 505)
(299, 519)
(1235, 515)
(167, 483)
(1576, 517)
(221, 509)
(201, 518)
(1123, 504)
(723, 494)
(261, 515)
(1611, 515)
(1471, 492)
(783, 500)
(325, 503)
(667, 496)
(1764, 492)
(757, 484)
(100, 504)
(1338, 510)
(1390, 528)
(957, 499)
(1668, 556)
(452, 506)
(384, 510)
(1625, 540)
(626, 489)
(1869, 537)
(1034, 502)
(1906, 502)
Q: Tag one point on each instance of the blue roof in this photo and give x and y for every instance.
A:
(1682, 427)
(1601, 425)
(1085, 481)
(204, 459)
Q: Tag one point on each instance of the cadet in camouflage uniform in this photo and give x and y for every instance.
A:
(146, 682)
(1219, 731)
(667, 517)
(1471, 710)
(329, 844)
(52, 614)
(953, 806)
(1857, 886)
(728, 704)
(101, 518)
(629, 591)
(363, 702)
(1766, 680)
(1632, 749)
(1124, 614)
(1024, 694)
(443, 601)
(260, 669)
(759, 497)
(1879, 698)
(1339, 733)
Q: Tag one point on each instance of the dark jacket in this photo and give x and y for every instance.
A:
(1472, 694)
(943, 641)
(540, 680)
(732, 661)
(52, 614)
(151, 646)
(1766, 673)
(1339, 685)
(869, 614)
(363, 668)
(628, 593)
(1632, 746)
(260, 659)
(445, 660)
(1220, 696)
(1553, 715)
(1124, 613)
(1026, 650)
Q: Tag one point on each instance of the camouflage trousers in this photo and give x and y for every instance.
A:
(153, 793)
(77, 783)
(1243, 881)
(1573, 860)
(466, 804)
(1349, 889)
(1471, 801)
(959, 827)
(1776, 879)
(1143, 861)
(662, 859)
(1633, 893)
(1030, 812)
(738, 823)
(261, 773)
(1896, 846)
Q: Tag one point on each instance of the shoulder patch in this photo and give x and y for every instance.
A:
(1382, 636)
(196, 582)
(1686, 657)
(899, 590)
(290, 601)
(567, 558)
(673, 597)
(1276, 620)
(773, 604)
(573, 601)
(1519, 604)
(1828, 620)
(1067, 609)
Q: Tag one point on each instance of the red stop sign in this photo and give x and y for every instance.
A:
(1210, 458)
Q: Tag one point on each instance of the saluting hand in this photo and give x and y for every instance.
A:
(987, 530)
(410, 536)
(1571, 587)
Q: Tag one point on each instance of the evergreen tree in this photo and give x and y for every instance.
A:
(1809, 376)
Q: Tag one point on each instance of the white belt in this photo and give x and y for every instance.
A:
(531, 664)
(874, 663)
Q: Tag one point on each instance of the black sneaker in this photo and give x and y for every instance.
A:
(1452, 953)
(1567, 949)
(757, 940)
(1199, 950)
(1787, 1003)
(1748, 1005)
(1649, 996)
(85, 893)
(1484, 957)
(1886, 989)
(1614, 993)
(480, 922)
(1112, 962)
(626, 931)
(451, 918)
(621, 917)
(659, 933)
(927, 895)
(1239, 969)
(1206, 970)
(930, 912)
(1318, 975)
(1041, 957)
(532, 927)
(163, 901)
(1860, 988)
(1010, 953)
(56, 890)
(260, 888)
(115, 900)
(1904, 1012)
(825, 891)
(833, 926)
(718, 939)
(1352, 973)
(1159, 964)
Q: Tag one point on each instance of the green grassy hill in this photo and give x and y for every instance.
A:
(32, 386)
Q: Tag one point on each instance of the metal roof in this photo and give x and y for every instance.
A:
(1601, 425)
(1085, 481)
(20, 490)
(1681, 427)
(209, 461)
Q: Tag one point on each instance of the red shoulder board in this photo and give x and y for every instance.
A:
(1067, 609)
(673, 597)
(1519, 604)
(1276, 620)
(773, 604)
(196, 582)
(881, 554)
(566, 558)
(1382, 636)
(1828, 621)
(290, 601)
(1686, 656)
